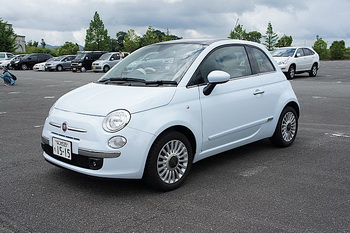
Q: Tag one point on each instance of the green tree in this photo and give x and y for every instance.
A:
(96, 35)
(238, 33)
(68, 48)
(120, 40)
(270, 37)
(285, 41)
(337, 50)
(131, 41)
(7, 38)
(151, 36)
(254, 36)
(320, 46)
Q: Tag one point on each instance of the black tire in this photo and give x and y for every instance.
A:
(291, 72)
(59, 68)
(169, 161)
(313, 71)
(24, 66)
(286, 129)
(105, 69)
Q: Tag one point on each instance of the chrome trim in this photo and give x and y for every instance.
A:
(45, 140)
(98, 154)
(54, 124)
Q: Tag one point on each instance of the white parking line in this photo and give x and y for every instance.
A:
(38, 126)
(319, 97)
(338, 135)
(49, 97)
(2, 113)
(14, 92)
(252, 171)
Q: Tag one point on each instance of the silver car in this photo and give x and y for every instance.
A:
(106, 62)
(60, 63)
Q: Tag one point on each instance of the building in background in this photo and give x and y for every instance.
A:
(21, 42)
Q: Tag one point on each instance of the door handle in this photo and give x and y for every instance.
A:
(258, 92)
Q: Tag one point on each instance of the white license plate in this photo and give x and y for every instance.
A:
(62, 148)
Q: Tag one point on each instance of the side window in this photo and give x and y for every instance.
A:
(232, 59)
(300, 53)
(115, 56)
(262, 62)
(308, 52)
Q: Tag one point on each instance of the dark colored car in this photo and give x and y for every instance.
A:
(29, 60)
(83, 61)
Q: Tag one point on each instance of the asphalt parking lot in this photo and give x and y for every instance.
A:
(255, 188)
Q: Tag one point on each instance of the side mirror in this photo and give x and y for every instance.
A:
(298, 55)
(112, 59)
(215, 77)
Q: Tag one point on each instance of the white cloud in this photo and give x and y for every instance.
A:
(58, 21)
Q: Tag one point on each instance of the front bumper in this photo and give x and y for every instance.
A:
(90, 152)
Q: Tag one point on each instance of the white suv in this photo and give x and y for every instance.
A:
(296, 60)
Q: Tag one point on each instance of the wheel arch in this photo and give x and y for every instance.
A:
(295, 106)
(185, 131)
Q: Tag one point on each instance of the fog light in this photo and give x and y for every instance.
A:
(117, 142)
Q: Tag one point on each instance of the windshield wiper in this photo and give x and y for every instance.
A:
(123, 80)
(161, 82)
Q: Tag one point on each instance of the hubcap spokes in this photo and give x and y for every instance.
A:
(288, 126)
(172, 161)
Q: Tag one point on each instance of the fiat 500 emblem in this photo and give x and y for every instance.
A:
(64, 126)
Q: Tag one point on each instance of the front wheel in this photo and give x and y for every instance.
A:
(169, 161)
(105, 69)
(291, 72)
(286, 129)
(313, 71)
(59, 68)
(24, 66)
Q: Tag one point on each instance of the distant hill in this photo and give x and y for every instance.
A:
(56, 47)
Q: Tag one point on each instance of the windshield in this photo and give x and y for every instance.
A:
(105, 56)
(57, 58)
(80, 56)
(159, 63)
(286, 52)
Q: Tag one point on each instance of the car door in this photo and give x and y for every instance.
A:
(301, 60)
(234, 112)
(308, 58)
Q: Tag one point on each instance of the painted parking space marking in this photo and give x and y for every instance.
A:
(319, 97)
(1, 113)
(49, 97)
(338, 135)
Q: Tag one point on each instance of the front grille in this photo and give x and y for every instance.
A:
(77, 160)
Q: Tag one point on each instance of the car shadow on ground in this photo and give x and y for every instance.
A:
(205, 171)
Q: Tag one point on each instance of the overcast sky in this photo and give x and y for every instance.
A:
(58, 21)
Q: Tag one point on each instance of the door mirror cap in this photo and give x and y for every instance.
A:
(218, 76)
(215, 77)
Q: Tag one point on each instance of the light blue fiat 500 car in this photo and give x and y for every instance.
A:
(169, 105)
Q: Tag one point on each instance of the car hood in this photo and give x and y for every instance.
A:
(99, 99)
(280, 58)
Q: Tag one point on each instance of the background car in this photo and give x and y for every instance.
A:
(106, 61)
(29, 60)
(84, 59)
(5, 55)
(42, 65)
(296, 60)
(7, 62)
(60, 63)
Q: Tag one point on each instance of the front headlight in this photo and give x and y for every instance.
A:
(116, 121)
(283, 62)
